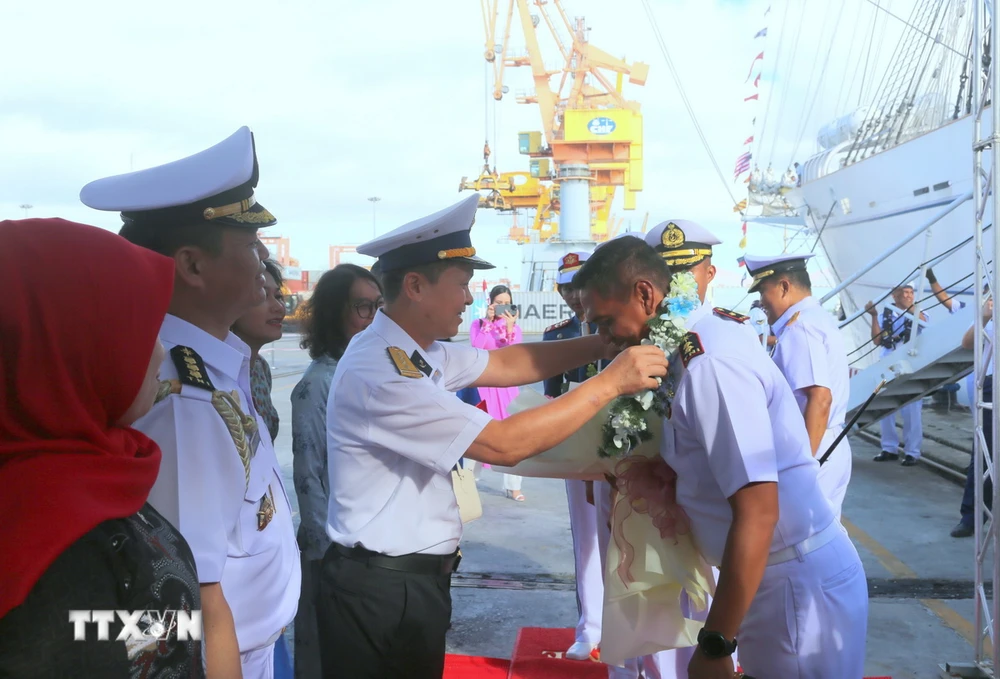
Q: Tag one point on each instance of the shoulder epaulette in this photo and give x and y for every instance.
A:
(690, 347)
(794, 318)
(404, 365)
(561, 324)
(190, 368)
(731, 315)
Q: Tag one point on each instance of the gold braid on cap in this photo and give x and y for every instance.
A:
(231, 209)
(456, 252)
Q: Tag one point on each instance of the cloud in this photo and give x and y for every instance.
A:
(351, 100)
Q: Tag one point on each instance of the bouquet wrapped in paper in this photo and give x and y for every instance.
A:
(656, 584)
(655, 579)
(575, 458)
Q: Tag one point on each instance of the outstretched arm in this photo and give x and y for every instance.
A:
(532, 362)
(522, 435)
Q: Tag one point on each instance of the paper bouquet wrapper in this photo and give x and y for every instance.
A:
(657, 597)
(574, 458)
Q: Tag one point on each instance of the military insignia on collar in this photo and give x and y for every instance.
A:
(672, 236)
(403, 363)
(731, 315)
(422, 365)
(190, 368)
(690, 347)
(794, 318)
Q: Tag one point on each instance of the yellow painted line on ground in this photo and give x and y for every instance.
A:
(897, 569)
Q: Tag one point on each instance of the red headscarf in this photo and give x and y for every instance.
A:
(80, 310)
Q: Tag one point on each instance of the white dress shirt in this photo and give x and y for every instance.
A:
(393, 441)
(811, 352)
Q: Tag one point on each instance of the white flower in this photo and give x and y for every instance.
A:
(666, 332)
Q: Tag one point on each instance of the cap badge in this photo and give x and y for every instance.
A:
(673, 236)
(572, 259)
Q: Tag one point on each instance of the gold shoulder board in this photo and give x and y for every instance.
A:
(403, 363)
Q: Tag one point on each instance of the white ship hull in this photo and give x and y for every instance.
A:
(878, 201)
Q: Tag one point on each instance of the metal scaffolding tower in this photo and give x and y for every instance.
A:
(986, 174)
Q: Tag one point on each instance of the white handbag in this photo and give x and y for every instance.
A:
(463, 481)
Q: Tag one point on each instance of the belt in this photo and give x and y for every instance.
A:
(419, 564)
(810, 544)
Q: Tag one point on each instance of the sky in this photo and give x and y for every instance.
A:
(353, 100)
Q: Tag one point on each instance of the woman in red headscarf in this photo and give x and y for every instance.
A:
(80, 310)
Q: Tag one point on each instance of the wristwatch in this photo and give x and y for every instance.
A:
(714, 645)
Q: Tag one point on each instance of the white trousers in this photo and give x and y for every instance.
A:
(258, 663)
(913, 430)
(511, 482)
(835, 474)
(662, 665)
(809, 618)
(587, 562)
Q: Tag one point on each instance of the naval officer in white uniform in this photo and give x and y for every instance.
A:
(582, 496)
(792, 591)
(810, 353)
(396, 430)
(219, 481)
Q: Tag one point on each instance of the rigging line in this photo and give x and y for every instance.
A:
(841, 99)
(871, 41)
(921, 32)
(787, 88)
(684, 99)
(819, 87)
(777, 62)
(819, 233)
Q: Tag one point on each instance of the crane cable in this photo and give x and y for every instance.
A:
(687, 103)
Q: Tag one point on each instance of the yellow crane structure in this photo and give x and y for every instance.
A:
(586, 121)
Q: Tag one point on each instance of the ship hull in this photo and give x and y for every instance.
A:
(865, 209)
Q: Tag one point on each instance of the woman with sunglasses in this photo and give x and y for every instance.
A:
(343, 304)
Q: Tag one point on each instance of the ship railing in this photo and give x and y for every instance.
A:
(927, 262)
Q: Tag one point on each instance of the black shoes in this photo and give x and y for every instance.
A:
(962, 530)
(886, 456)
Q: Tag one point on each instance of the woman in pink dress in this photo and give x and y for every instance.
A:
(495, 331)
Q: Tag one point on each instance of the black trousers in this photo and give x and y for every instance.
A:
(376, 623)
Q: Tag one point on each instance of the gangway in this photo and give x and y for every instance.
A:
(931, 359)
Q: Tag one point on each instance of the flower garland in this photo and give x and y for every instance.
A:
(626, 426)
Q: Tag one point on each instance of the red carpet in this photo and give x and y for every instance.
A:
(474, 667)
(537, 654)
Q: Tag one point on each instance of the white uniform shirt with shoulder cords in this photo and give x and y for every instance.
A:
(394, 439)
(810, 353)
(734, 421)
(202, 488)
